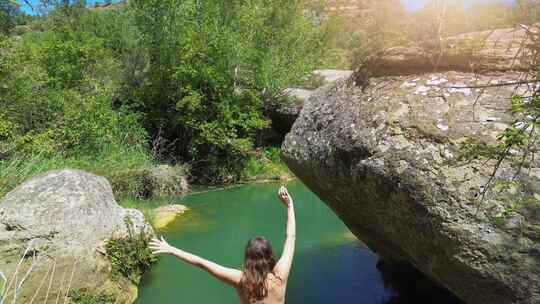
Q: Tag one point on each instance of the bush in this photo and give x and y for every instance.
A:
(46, 102)
(8, 16)
(150, 182)
(130, 256)
(203, 89)
(83, 297)
(265, 165)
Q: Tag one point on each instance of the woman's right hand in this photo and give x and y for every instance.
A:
(160, 246)
(284, 196)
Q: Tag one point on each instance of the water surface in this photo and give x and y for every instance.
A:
(330, 266)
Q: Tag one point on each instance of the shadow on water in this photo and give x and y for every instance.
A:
(413, 287)
(331, 265)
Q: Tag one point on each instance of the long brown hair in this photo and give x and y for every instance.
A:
(258, 263)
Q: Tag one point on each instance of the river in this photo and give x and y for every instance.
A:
(330, 266)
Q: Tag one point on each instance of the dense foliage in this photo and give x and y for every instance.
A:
(210, 67)
(8, 12)
(180, 81)
(84, 297)
(56, 85)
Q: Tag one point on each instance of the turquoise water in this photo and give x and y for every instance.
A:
(330, 265)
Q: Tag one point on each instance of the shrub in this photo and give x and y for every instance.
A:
(83, 297)
(203, 89)
(8, 15)
(52, 101)
(130, 255)
(265, 165)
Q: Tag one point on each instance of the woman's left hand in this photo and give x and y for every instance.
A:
(160, 246)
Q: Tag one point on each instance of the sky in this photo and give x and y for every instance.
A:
(409, 4)
(25, 8)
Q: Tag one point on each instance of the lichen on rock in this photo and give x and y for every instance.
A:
(61, 219)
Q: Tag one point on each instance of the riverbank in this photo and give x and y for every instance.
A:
(110, 163)
(129, 172)
(268, 170)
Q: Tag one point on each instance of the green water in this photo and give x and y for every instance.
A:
(330, 265)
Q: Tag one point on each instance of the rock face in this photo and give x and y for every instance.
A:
(387, 159)
(61, 220)
(284, 114)
(494, 50)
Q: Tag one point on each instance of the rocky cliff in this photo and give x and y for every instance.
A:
(389, 159)
(475, 52)
(58, 223)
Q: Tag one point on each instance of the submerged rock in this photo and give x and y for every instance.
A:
(166, 215)
(58, 222)
(387, 159)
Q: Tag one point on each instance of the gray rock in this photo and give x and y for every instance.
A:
(62, 220)
(331, 76)
(485, 51)
(165, 180)
(387, 160)
(284, 113)
(299, 95)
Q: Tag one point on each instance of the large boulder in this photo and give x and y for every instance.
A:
(58, 223)
(389, 160)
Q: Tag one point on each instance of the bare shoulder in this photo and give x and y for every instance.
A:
(275, 279)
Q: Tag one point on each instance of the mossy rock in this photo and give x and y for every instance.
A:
(165, 181)
(146, 183)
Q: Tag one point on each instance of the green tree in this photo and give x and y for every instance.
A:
(9, 10)
(56, 92)
(210, 66)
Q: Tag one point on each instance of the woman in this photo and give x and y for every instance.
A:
(262, 280)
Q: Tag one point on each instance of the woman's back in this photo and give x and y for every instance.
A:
(276, 292)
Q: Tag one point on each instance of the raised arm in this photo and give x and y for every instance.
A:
(227, 275)
(283, 267)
